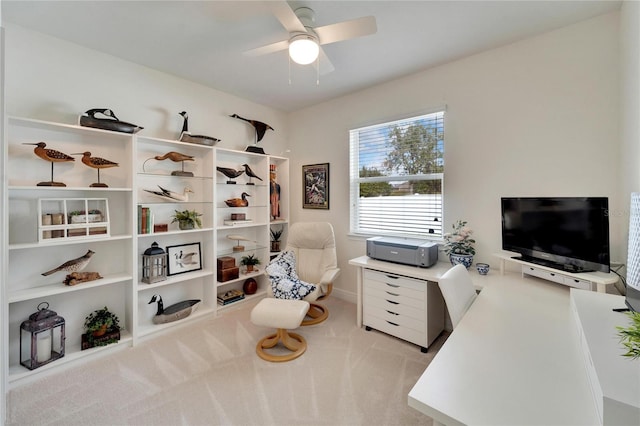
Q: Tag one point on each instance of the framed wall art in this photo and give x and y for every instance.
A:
(184, 258)
(315, 184)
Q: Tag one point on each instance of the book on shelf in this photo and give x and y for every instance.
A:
(229, 301)
(236, 222)
(145, 220)
(230, 297)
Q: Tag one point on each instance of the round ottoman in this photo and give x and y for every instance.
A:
(283, 315)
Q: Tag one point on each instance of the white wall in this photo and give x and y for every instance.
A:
(50, 79)
(537, 117)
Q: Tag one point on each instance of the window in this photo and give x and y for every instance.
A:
(396, 177)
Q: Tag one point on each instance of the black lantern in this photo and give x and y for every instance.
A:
(154, 264)
(41, 338)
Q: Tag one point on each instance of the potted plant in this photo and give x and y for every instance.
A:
(275, 238)
(187, 219)
(101, 328)
(459, 244)
(249, 261)
(630, 336)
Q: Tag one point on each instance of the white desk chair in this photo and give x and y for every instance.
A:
(458, 292)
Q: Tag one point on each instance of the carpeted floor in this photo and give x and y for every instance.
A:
(209, 374)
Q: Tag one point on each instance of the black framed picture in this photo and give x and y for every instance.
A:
(315, 184)
(184, 258)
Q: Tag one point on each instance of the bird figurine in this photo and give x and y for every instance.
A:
(175, 312)
(171, 195)
(250, 173)
(238, 202)
(239, 238)
(96, 163)
(186, 136)
(52, 156)
(260, 128)
(74, 265)
(230, 173)
(175, 157)
(110, 123)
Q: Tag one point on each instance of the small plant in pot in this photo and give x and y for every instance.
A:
(187, 219)
(98, 323)
(275, 239)
(459, 244)
(630, 336)
(249, 261)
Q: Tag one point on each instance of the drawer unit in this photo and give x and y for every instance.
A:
(558, 277)
(399, 306)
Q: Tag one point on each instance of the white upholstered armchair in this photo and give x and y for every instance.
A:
(314, 247)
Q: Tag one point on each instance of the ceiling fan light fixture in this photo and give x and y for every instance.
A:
(303, 49)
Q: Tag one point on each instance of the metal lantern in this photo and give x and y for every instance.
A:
(154, 264)
(41, 338)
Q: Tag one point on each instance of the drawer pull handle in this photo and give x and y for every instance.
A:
(392, 313)
(392, 302)
(393, 294)
(393, 323)
(392, 277)
(392, 285)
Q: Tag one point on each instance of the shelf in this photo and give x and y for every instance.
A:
(174, 279)
(220, 253)
(247, 298)
(175, 232)
(200, 313)
(147, 139)
(241, 278)
(72, 353)
(61, 288)
(67, 241)
(65, 188)
(162, 175)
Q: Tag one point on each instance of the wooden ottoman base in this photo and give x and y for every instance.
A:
(292, 341)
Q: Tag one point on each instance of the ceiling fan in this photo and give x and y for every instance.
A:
(305, 40)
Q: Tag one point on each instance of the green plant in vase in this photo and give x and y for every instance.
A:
(275, 238)
(630, 336)
(187, 219)
(98, 323)
(249, 261)
(459, 244)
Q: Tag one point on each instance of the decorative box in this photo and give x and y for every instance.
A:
(226, 262)
(238, 216)
(228, 274)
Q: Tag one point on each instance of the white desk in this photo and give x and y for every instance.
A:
(513, 359)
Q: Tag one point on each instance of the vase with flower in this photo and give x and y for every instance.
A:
(459, 244)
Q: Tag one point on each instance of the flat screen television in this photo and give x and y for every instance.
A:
(567, 233)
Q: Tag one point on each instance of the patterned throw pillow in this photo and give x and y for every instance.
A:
(284, 279)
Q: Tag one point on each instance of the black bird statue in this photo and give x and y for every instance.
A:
(110, 123)
(250, 173)
(186, 136)
(260, 127)
(230, 173)
(175, 312)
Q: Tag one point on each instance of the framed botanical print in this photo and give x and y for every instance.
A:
(315, 184)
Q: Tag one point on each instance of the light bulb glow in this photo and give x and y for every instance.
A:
(303, 49)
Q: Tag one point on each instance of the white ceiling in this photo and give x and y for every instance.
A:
(204, 41)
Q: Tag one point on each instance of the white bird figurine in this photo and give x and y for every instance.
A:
(170, 195)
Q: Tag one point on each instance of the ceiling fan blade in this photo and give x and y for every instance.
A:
(269, 48)
(287, 17)
(325, 64)
(346, 30)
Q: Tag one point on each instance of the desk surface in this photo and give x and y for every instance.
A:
(513, 359)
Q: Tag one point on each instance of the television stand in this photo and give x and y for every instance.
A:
(594, 281)
(552, 265)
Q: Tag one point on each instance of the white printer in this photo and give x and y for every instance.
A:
(407, 251)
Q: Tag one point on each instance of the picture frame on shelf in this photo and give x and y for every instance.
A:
(315, 186)
(184, 258)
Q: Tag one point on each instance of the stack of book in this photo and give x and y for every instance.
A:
(145, 220)
(230, 297)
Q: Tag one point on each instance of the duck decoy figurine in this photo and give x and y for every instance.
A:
(238, 202)
(96, 163)
(171, 195)
(175, 312)
(230, 173)
(175, 157)
(260, 128)
(52, 156)
(186, 136)
(110, 123)
(250, 173)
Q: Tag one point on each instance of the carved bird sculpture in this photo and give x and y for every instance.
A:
(229, 172)
(110, 123)
(74, 265)
(171, 195)
(260, 127)
(238, 202)
(52, 156)
(96, 163)
(250, 172)
(175, 157)
(175, 312)
(186, 136)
